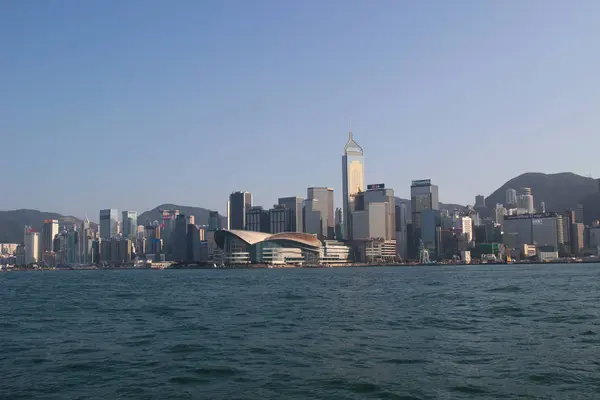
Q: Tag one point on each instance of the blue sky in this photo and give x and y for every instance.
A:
(130, 104)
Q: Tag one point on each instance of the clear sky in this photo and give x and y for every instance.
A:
(130, 104)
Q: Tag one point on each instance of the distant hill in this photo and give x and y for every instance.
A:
(558, 191)
(12, 223)
(443, 206)
(200, 214)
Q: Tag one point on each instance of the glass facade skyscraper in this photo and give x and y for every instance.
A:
(129, 224)
(109, 223)
(353, 171)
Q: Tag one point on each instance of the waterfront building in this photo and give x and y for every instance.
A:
(291, 248)
(179, 242)
(32, 249)
(401, 230)
(257, 220)
(295, 204)
(352, 180)
(534, 229)
(169, 217)
(423, 196)
(335, 253)
(578, 237)
(237, 208)
(377, 251)
(375, 214)
(129, 224)
(109, 223)
(318, 212)
(116, 251)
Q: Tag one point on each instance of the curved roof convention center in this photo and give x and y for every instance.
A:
(252, 238)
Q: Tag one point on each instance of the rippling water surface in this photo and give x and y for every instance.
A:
(485, 332)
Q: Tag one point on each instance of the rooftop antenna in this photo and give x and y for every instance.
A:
(350, 127)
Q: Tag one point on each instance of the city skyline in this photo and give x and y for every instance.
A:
(417, 80)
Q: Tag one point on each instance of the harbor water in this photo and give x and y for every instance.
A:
(442, 332)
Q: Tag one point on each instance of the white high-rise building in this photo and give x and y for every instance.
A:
(465, 224)
(32, 249)
(353, 171)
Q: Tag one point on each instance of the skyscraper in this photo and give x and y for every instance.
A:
(238, 205)
(423, 196)
(109, 223)
(32, 251)
(129, 224)
(179, 242)
(49, 231)
(294, 204)
(318, 209)
(214, 221)
(352, 180)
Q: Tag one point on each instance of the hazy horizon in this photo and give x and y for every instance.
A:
(130, 105)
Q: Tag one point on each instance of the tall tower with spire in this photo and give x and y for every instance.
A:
(353, 171)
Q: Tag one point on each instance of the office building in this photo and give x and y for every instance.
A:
(109, 223)
(375, 214)
(318, 212)
(544, 230)
(294, 204)
(578, 237)
(423, 196)
(282, 219)
(237, 208)
(479, 201)
(179, 242)
(49, 231)
(401, 230)
(352, 180)
(257, 220)
(339, 223)
(214, 221)
(32, 249)
(129, 224)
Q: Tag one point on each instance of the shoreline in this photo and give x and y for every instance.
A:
(264, 266)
